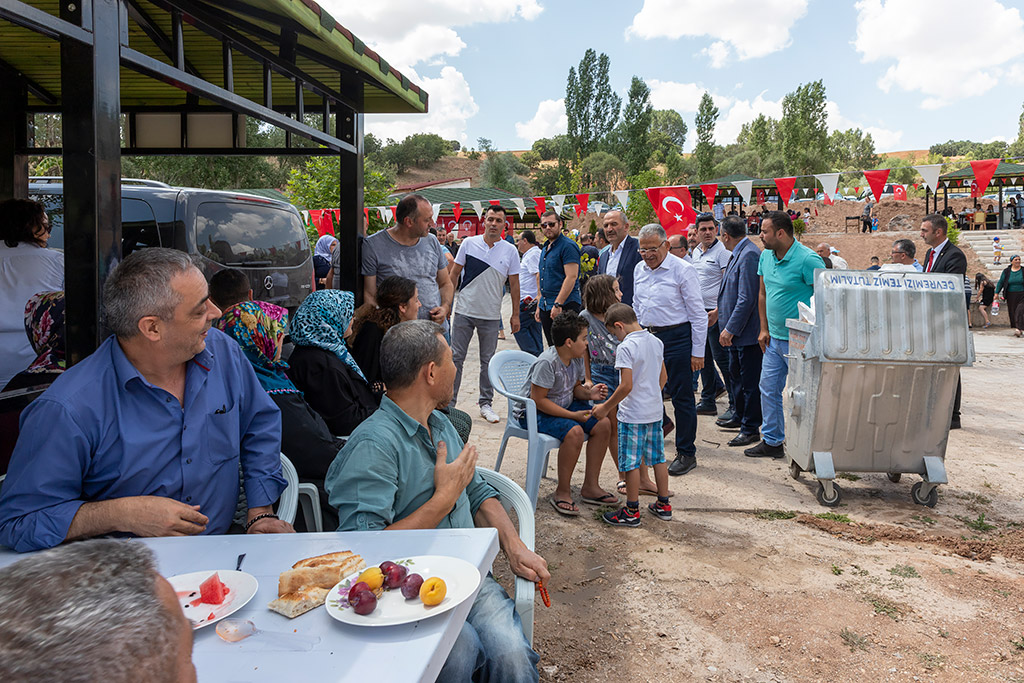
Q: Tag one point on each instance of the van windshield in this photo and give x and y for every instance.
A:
(247, 235)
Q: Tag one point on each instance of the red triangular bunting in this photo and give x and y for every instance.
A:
(856, 190)
(582, 202)
(876, 179)
(914, 186)
(709, 191)
(457, 211)
(366, 214)
(983, 172)
(495, 202)
(539, 202)
(785, 187)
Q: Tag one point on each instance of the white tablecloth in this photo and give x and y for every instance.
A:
(410, 652)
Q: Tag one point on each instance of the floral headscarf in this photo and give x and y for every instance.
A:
(323, 246)
(321, 321)
(278, 316)
(256, 333)
(44, 325)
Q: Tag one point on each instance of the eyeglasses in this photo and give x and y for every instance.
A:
(681, 246)
(650, 250)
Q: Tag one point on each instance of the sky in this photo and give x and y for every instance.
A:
(911, 72)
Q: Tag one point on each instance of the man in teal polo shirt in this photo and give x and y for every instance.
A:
(399, 470)
(786, 269)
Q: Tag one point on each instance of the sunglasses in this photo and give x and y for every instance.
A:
(548, 225)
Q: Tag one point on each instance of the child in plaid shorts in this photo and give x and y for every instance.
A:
(642, 376)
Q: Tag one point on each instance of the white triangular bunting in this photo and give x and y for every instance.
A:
(437, 210)
(520, 206)
(385, 214)
(559, 201)
(479, 208)
(744, 187)
(946, 183)
(805, 191)
(622, 196)
(930, 173)
(828, 181)
(1013, 181)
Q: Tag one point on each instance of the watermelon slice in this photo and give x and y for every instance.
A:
(212, 591)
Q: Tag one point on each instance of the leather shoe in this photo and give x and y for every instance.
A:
(734, 423)
(744, 439)
(726, 416)
(682, 464)
(706, 409)
(954, 423)
(764, 450)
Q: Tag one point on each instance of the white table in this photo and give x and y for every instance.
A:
(410, 652)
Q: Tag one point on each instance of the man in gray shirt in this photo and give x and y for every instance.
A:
(409, 250)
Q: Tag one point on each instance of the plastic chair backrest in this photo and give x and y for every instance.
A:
(508, 371)
(288, 504)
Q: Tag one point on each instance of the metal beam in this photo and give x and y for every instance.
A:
(197, 86)
(154, 33)
(13, 134)
(195, 151)
(39, 91)
(27, 16)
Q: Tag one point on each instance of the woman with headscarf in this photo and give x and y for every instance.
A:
(1010, 289)
(321, 365)
(322, 258)
(305, 438)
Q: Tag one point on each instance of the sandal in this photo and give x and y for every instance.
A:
(606, 499)
(569, 509)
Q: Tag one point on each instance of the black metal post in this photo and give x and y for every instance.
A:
(348, 126)
(13, 137)
(999, 216)
(90, 90)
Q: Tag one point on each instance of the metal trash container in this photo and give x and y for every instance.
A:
(873, 371)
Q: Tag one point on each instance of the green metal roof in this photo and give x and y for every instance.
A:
(385, 89)
(727, 181)
(446, 195)
(1004, 170)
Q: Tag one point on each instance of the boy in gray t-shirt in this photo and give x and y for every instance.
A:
(555, 383)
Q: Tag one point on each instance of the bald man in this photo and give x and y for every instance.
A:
(622, 255)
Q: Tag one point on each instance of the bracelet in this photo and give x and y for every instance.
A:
(257, 518)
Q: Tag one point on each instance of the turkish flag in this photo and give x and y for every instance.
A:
(674, 207)
(785, 187)
(539, 202)
(457, 211)
(582, 202)
(876, 179)
(899, 193)
(983, 172)
(709, 193)
(760, 196)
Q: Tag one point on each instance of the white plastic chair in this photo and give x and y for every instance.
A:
(513, 497)
(295, 495)
(508, 371)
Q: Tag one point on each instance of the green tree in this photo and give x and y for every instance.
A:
(550, 148)
(530, 158)
(591, 106)
(502, 169)
(632, 135)
(639, 210)
(1017, 147)
(668, 132)
(371, 144)
(420, 150)
(851, 150)
(551, 179)
(707, 115)
(760, 136)
(803, 129)
(316, 186)
(602, 171)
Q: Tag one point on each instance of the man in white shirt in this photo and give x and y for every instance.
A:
(668, 302)
(838, 262)
(903, 252)
(530, 336)
(484, 262)
(710, 257)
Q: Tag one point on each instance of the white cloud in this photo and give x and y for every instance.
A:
(914, 36)
(732, 112)
(886, 140)
(735, 25)
(549, 120)
(744, 111)
(451, 105)
(684, 97)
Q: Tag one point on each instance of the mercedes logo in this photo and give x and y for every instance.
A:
(268, 282)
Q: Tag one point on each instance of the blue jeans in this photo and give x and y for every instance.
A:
(491, 646)
(605, 374)
(559, 427)
(744, 375)
(715, 354)
(680, 385)
(530, 336)
(774, 369)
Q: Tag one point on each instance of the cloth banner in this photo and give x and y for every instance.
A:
(785, 187)
(457, 211)
(622, 196)
(478, 207)
(930, 173)
(709, 190)
(468, 226)
(436, 210)
(760, 197)
(539, 203)
(828, 181)
(983, 172)
(559, 201)
(876, 179)
(744, 187)
(520, 206)
(899, 193)
(674, 207)
(582, 202)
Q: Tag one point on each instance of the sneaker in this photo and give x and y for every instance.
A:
(622, 518)
(487, 413)
(661, 510)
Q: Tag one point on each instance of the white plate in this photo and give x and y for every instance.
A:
(460, 577)
(241, 588)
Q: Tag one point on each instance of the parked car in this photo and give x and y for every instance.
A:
(262, 237)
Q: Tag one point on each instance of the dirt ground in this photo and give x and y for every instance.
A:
(747, 584)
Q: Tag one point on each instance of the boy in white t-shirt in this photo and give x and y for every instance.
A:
(640, 360)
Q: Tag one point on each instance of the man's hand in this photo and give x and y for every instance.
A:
(601, 411)
(712, 317)
(582, 416)
(451, 478)
(536, 314)
(599, 392)
(159, 516)
(513, 323)
(527, 564)
(696, 363)
(762, 340)
(269, 525)
(439, 314)
(725, 339)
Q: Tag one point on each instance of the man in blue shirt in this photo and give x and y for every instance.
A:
(145, 436)
(559, 273)
(399, 470)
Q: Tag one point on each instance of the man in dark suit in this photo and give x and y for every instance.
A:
(943, 257)
(621, 257)
(740, 323)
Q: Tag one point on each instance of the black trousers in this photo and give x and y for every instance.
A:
(715, 354)
(545, 318)
(744, 377)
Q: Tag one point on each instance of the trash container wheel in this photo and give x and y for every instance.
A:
(930, 500)
(894, 477)
(794, 469)
(829, 502)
